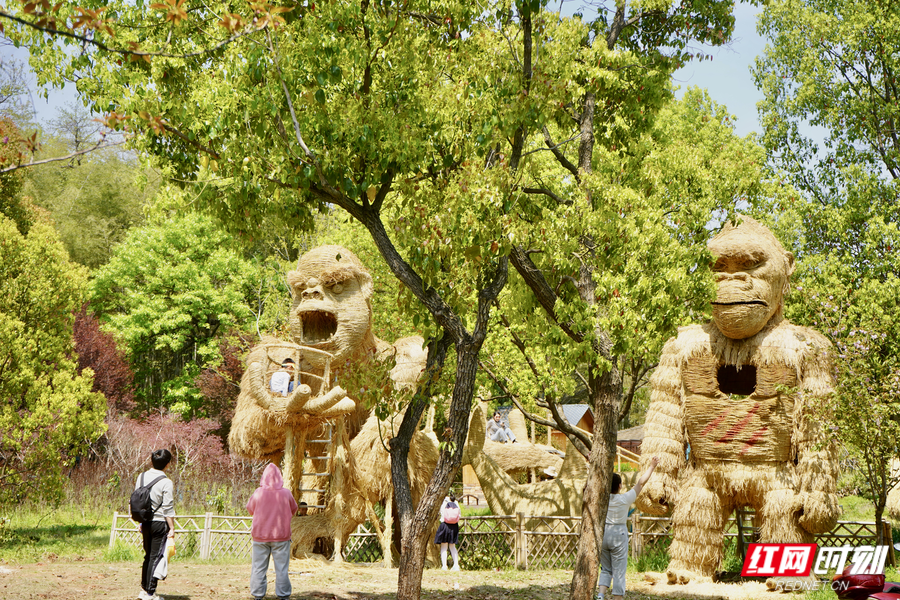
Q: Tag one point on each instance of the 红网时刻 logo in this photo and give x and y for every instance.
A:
(801, 560)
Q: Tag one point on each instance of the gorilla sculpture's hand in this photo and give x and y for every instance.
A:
(332, 404)
(658, 495)
(820, 512)
(259, 389)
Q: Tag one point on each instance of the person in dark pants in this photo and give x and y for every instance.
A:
(162, 527)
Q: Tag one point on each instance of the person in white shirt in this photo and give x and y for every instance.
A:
(156, 533)
(498, 431)
(614, 551)
(283, 381)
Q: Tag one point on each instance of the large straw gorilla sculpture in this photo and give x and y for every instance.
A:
(331, 311)
(730, 415)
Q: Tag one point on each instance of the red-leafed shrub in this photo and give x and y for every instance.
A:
(97, 350)
(204, 476)
(220, 385)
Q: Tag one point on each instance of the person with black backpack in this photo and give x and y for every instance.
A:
(153, 506)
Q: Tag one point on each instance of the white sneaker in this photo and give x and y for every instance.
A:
(444, 568)
(142, 595)
(156, 597)
(455, 568)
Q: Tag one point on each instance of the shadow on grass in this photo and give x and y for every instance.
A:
(480, 592)
(57, 538)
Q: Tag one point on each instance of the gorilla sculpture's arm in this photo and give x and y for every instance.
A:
(663, 433)
(816, 457)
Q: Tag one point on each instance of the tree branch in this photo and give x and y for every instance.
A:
(547, 193)
(580, 440)
(560, 157)
(52, 31)
(287, 96)
(543, 292)
(98, 146)
(519, 139)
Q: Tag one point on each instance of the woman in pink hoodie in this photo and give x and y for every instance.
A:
(271, 507)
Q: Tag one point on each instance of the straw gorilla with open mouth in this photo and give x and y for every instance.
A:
(331, 310)
(731, 417)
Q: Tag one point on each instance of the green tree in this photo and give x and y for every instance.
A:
(649, 276)
(864, 411)
(168, 292)
(423, 121)
(93, 198)
(830, 71)
(48, 414)
(12, 202)
(621, 265)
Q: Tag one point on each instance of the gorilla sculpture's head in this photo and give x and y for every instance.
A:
(752, 273)
(331, 308)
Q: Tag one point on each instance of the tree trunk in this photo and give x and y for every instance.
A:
(399, 444)
(879, 514)
(416, 538)
(606, 391)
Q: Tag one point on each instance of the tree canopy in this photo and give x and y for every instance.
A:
(167, 292)
(452, 131)
(49, 415)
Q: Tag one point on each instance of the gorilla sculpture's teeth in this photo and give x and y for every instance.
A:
(318, 326)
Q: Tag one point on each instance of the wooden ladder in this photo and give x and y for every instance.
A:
(327, 442)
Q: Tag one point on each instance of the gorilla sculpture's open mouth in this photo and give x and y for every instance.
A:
(318, 326)
(741, 303)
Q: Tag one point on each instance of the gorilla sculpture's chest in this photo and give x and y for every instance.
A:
(738, 414)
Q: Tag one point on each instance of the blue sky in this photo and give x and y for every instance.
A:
(726, 77)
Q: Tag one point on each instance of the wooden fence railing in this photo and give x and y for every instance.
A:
(491, 542)
(487, 542)
(647, 530)
(626, 455)
(203, 536)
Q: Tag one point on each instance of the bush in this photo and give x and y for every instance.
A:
(655, 557)
(204, 477)
(480, 552)
(731, 561)
(189, 544)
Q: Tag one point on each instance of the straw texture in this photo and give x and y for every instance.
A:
(732, 415)
(558, 497)
(331, 337)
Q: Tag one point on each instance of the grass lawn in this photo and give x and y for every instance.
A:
(76, 538)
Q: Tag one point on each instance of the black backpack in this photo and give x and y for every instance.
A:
(141, 506)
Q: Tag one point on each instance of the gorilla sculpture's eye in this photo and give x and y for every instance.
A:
(337, 288)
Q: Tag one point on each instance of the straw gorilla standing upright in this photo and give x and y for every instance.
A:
(731, 416)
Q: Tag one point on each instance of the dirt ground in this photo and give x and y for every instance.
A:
(57, 579)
